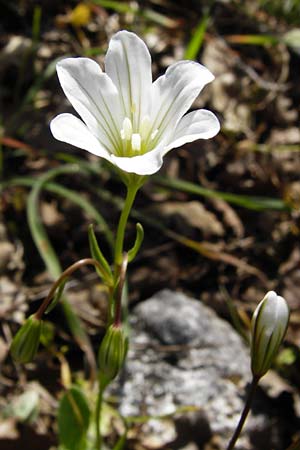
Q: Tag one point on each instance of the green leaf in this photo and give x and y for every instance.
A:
(73, 419)
(138, 242)
(98, 256)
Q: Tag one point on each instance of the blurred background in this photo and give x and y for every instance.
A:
(221, 218)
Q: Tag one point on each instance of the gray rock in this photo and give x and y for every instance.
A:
(182, 354)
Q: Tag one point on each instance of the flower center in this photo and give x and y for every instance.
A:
(137, 142)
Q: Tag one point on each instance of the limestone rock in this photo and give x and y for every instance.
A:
(183, 355)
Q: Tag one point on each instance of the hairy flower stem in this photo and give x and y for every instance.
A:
(245, 413)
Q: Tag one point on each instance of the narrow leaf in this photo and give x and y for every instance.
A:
(138, 242)
(246, 201)
(98, 255)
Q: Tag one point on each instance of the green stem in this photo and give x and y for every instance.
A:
(119, 291)
(244, 414)
(63, 277)
(98, 418)
(131, 193)
(102, 385)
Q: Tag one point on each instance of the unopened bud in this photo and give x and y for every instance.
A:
(25, 343)
(268, 328)
(112, 353)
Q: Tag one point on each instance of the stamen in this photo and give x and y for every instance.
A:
(154, 134)
(136, 142)
(133, 108)
(126, 131)
(145, 127)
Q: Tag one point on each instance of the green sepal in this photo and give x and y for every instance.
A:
(112, 353)
(73, 419)
(57, 296)
(26, 342)
(138, 242)
(97, 254)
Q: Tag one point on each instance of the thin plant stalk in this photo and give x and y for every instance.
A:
(120, 263)
(119, 294)
(131, 193)
(66, 274)
(245, 413)
(98, 416)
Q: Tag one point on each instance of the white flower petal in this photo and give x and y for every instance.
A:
(146, 164)
(128, 64)
(68, 128)
(200, 124)
(174, 93)
(94, 96)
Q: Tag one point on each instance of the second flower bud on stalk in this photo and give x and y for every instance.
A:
(268, 328)
(112, 353)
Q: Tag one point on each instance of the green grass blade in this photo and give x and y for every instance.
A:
(252, 39)
(246, 201)
(36, 24)
(52, 263)
(71, 195)
(120, 7)
(196, 42)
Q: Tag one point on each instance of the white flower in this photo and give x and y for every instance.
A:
(127, 119)
(268, 328)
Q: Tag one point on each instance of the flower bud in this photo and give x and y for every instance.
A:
(268, 328)
(112, 353)
(25, 343)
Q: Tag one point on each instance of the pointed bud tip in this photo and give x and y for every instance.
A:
(268, 328)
